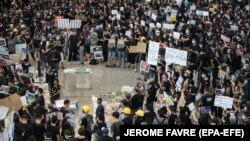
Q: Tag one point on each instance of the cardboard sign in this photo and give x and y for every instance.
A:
(225, 38)
(176, 56)
(12, 101)
(139, 48)
(2, 42)
(223, 101)
(153, 53)
(111, 43)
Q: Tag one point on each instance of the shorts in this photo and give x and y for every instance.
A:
(111, 54)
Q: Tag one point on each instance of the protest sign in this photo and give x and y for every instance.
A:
(114, 12)
(151, 25)
(139, 48)
(153, 16)
(223, 101)
(176, 56)
(234, 28)
(158, 25)
(174, 13)
(111, 43)
(143, 23)
(191, 106)
(12, 102)
(24, 100)
(75, 24)
(176, 35)
(144, 67)
(199, 13)
(153, 53)
(21, 49)
(128, 33)
(98, 55)
(198, 97)
(168, 26)
(63, 23)
(173, 19)
(178, 83)
(205, 13)
(225, 38)
(2, 42)
(4, 51)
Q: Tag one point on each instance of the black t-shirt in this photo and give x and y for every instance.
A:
(39, 131)
(136, 101)
(207, 100)
(127, 121)
(99, 110)
(64, 111)
(41, 100)
(27, 129)
(73, 42)
(54, 131)
(12, 90)
(104, 138)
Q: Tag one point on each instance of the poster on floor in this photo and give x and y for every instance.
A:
(176, 56)
(153, 53)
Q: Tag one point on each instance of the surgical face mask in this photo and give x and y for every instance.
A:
(209, 33)
(193, 42)
(203, 75)
(164, 36)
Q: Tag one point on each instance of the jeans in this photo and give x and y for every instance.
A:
(81, 53)
(65, 49)
(121, 56)
(42, 65)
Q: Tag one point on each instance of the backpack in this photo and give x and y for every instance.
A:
(90, 123)
(93, 62)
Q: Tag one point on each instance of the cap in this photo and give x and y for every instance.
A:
(86, 109)
(15, 30)
(127, 111)
(139, 113)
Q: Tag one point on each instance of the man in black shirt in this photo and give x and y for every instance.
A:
(64, 109)
(128, 120)
(24, 125)
(13, 89)
(100, 108)
(73, 46)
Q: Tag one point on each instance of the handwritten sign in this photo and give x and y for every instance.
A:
(168, 26)
(176, 56)
(144, 67)
(153, 53)
(223, 101)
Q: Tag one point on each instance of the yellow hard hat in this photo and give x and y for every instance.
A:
(15, 30)
(86, 109)
(126, 111)
(143, 39)
(139, 113)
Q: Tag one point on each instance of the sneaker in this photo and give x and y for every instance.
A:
(135, 70)
(107, 66)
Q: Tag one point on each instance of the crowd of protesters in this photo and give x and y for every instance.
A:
(33, 22)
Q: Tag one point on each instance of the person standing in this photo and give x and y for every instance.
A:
(73, 47)
(81, 51)
(100, 108)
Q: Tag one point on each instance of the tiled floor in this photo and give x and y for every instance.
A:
(103, 81)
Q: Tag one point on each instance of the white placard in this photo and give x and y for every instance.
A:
(24, 100)
(128, 33)
(19, 48)
(148, 0)
(191, 106)
(193, 22)
(153, 53)
(131, 26)
(174, 13)
(176, 56)
(151, 25)
(248, 7)
(205, 13)
(63, 23)
(143, 23)
(178, 83)
(193, 7)
(234, 27)
(59, 103)
(176, 35)
(118, 16)
(121, 8)
(4, 51)
(2, 42)
(199, 13)
(168, 26)
(158, 25)
(3, 112)
(153, 16)
(114, 12)
(75, 24)
(178, 2)
(223, 101)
